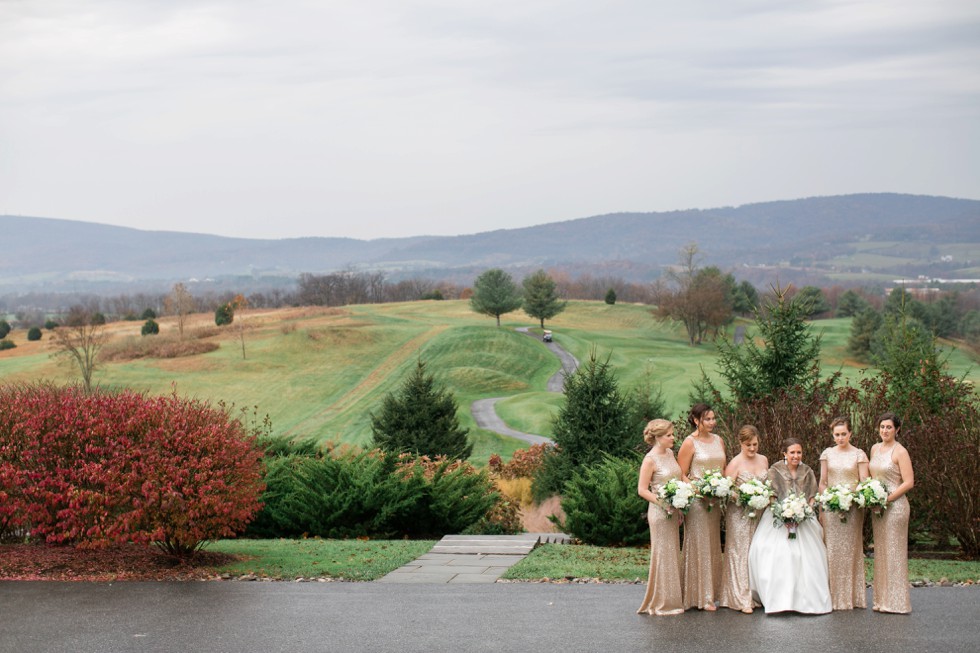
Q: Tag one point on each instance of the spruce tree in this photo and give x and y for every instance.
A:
(420, 418)
(541, 297)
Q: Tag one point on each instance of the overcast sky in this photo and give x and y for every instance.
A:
(373, 118)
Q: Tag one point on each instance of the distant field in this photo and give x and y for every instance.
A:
(319, 372)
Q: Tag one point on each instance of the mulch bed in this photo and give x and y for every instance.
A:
(130, 562)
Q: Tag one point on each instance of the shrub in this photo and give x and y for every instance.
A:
(602, 507)
(224, 314)
(150, 328)
(33, 334)
(353, 493)
(6, 344)
(525, 463)
(94, 469)
(4, 329)
(611, 297)
(51, 325)
(148, 314)
(98, 318)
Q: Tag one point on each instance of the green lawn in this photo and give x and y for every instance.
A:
(319, 372)
(346, 559)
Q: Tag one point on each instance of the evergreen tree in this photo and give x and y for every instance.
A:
(541, 297)
(745, 299)
(850, 304)
(420, 418)
(494, 293)
(150, 328)
(34, 333)
(611, 297)
(787, 359)
(224, 314)
(813, 298)
(4, 328)
(864, 326)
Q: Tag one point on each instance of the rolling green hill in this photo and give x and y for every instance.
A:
(319, 372)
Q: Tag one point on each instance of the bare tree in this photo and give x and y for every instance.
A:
(180, 302)
(699, 298)
(80, 344)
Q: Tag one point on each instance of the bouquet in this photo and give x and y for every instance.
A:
(839, 499)
(713, 485)
(791, 512)
(753, 495)
(870, 493)
(676, 494)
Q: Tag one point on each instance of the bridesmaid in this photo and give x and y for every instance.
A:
(702, 450)
(749, 464)
(891, 464)
(663, 595)
(846, 465)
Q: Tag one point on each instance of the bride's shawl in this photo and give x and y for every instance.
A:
(784, 484)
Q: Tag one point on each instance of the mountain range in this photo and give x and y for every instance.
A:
(875, 233)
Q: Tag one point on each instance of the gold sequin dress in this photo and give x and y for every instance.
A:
(702, 533)
(844, 540)
(663, 595)
(739, 529)
(890, 587)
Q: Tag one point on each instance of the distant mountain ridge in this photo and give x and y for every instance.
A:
(50, 251)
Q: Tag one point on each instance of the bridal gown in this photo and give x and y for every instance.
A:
(789, 575)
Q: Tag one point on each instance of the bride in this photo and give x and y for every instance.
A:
(790, 574)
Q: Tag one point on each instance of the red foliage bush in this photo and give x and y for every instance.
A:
(525, 463)
(100, 469)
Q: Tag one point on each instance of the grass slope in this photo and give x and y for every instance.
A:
(319, 372)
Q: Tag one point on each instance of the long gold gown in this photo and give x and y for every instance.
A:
(844, 540)
(890, 587)
(663, 595)
(739, 529)
(702, 533)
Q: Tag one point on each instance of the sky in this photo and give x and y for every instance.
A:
(392, 118)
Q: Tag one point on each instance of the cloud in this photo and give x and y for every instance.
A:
(404, 117)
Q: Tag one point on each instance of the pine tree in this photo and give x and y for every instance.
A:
(420, 418)
(596, 420)
(787, 359)
(541, 297)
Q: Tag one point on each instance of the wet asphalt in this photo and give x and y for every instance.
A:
(522, 617)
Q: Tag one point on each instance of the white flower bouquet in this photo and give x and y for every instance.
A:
(713, 485)
(838, 499)
(871, 493)
(791, 512)
(753, 496)
(677, 495)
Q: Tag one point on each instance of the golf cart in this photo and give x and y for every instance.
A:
(546, 336)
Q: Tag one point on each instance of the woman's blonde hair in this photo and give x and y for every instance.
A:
(656, 428)
(747, 432)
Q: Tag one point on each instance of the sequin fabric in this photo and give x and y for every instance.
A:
(702, 533)
(739, 529)
(663, 596)
(890, 588)
(844, 540)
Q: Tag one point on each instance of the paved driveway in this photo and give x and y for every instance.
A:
(233, 617)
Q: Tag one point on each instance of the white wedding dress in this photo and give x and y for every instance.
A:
(789, 575)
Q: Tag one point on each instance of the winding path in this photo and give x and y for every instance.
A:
(484, 410)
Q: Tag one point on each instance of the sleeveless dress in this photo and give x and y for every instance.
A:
(663, 595)
(702, 533)
(789, 575)
(739, 529)
(845, 540)
(890, 587)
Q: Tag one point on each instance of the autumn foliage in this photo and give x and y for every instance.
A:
(100, 469)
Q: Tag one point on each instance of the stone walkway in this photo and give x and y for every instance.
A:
(470, 558)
